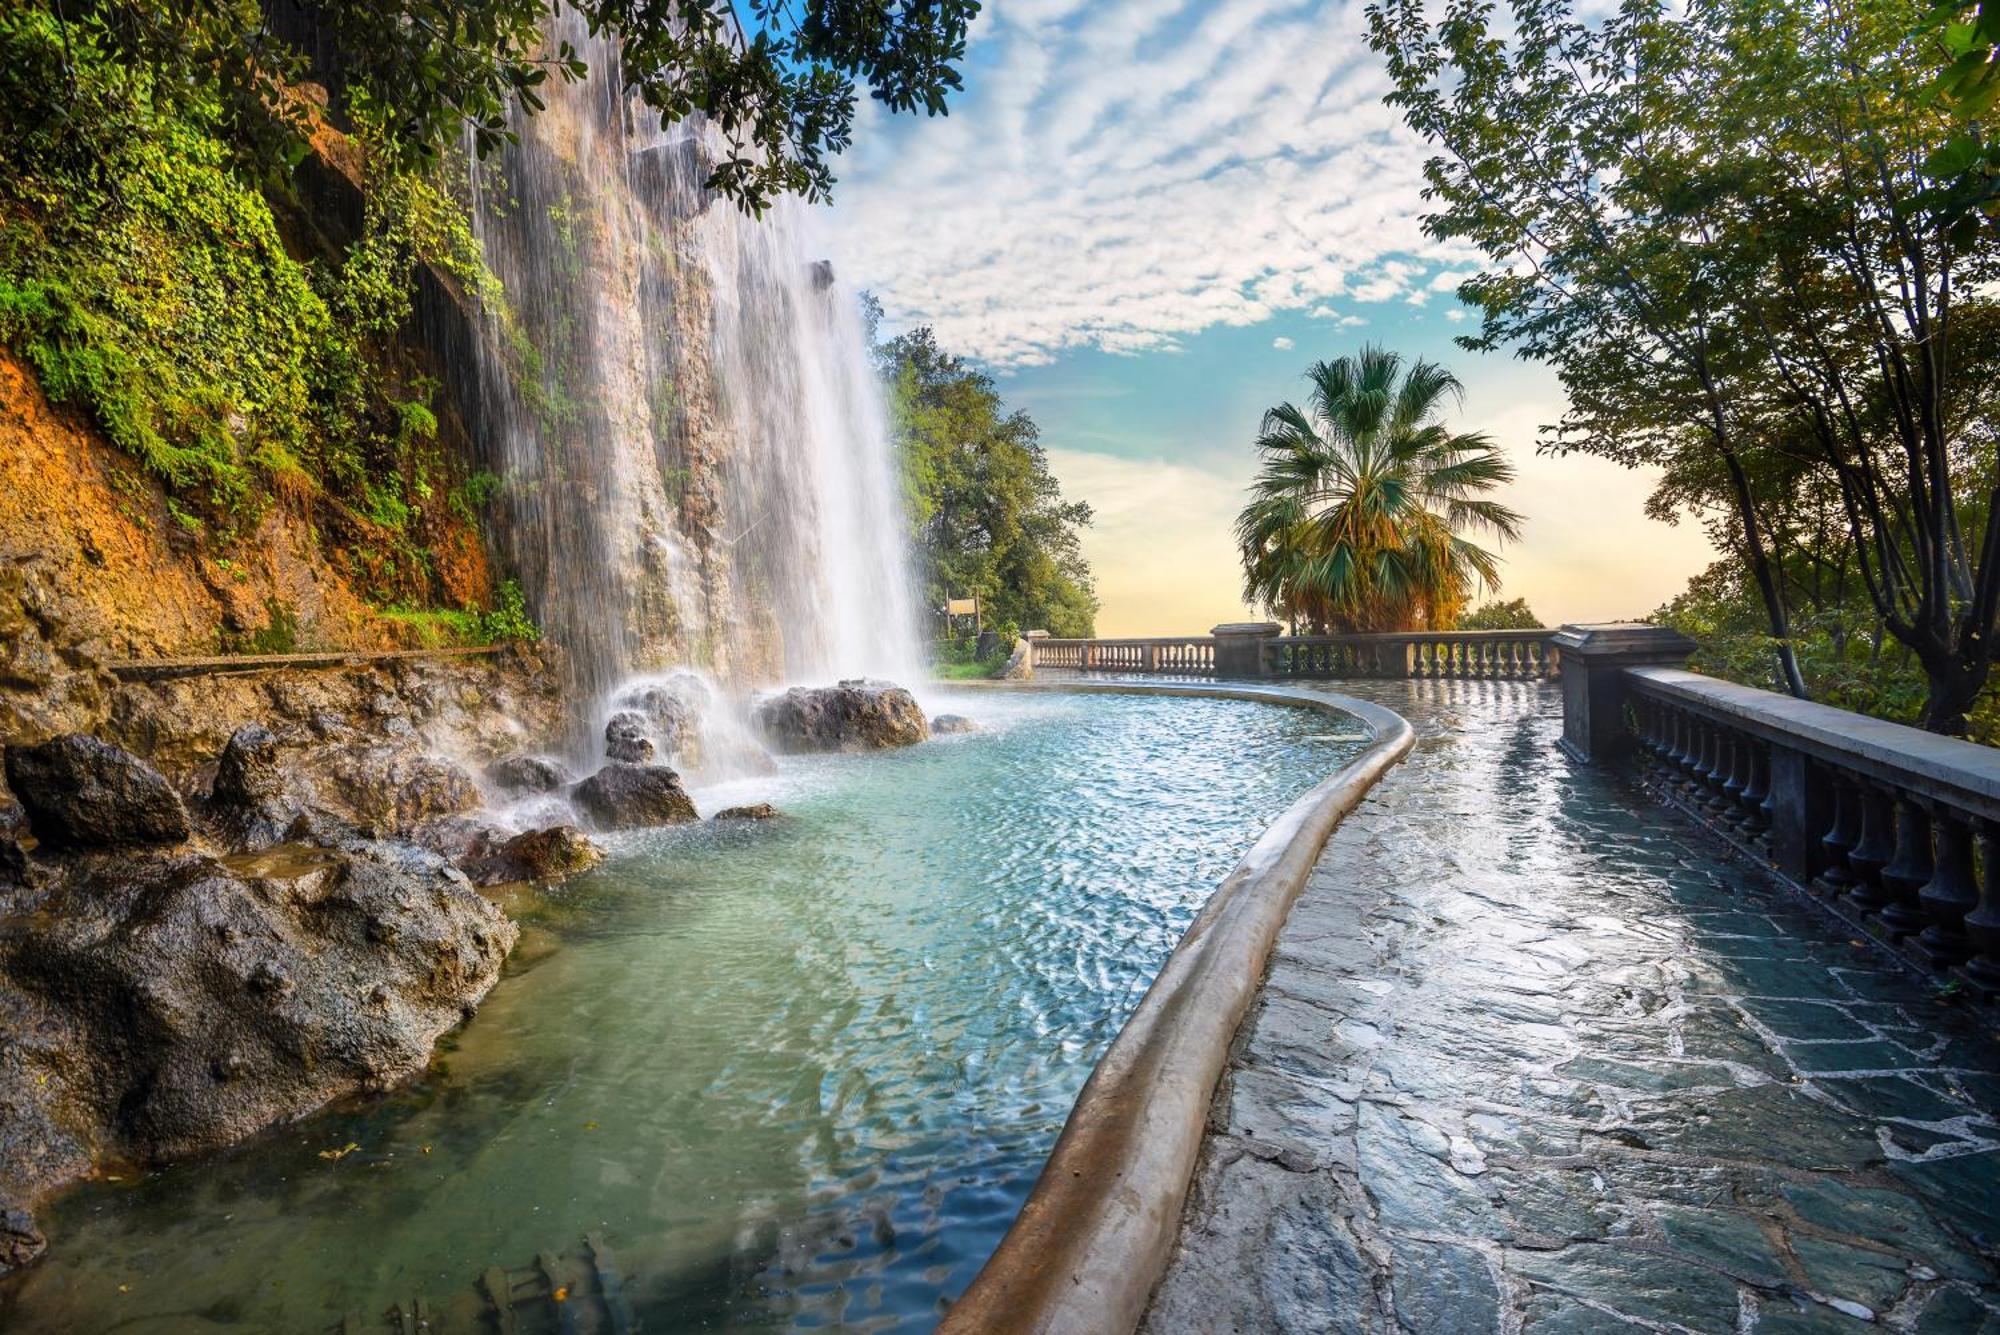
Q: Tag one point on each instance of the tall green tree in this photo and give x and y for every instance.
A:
(1716, 222)
(1361, 505)
(986, 515)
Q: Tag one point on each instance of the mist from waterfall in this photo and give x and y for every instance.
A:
(681, 405)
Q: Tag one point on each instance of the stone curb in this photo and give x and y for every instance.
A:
(1098, 1228)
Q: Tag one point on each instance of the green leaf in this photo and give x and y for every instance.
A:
(1955, 158)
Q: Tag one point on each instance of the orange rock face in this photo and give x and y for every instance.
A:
(95, 529)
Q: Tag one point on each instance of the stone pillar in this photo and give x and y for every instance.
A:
(1801, 811)
(1594, 659)
(1239, 647)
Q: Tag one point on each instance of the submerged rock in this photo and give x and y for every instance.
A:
(20, 1241)
(754, 811)
(80, 792)
(523, 776)
(625, 739)
(945, 725)
(856, 715)
(625, 797)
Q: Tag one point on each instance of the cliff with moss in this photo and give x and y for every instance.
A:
(216, 432)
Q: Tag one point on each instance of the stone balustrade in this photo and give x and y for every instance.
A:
(1259, 650)
(1479, 655)
(1895, 829)
(1183, 656)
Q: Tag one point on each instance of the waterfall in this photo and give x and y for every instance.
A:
(680, 403)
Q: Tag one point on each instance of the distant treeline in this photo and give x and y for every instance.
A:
(987, 517)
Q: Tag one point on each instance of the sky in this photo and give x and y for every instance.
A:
(1147, 218)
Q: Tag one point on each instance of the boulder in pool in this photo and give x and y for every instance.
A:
(672, 708)
(754, 811)
(524, 776)
(166, 1003)
(541, 856)
(622, 796)
(945, 725)
(80, 792)
(856, 715)
(625, 738)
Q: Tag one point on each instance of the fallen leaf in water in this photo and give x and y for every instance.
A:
(427, 1149)
(590, 1126)
(562, 1295)
(340, 1153)
(124, 1288)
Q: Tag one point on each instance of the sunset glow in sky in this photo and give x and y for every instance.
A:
(1147, 218)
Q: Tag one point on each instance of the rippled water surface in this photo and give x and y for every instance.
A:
(794, 1075)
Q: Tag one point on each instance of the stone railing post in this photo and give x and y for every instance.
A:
(1594, 659)
(1239, 647)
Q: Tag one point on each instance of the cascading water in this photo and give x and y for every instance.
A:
(695, 464)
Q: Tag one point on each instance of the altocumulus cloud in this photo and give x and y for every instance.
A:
(1121, 173)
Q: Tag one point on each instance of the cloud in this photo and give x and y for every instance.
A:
(1124, 173)
(1282, 344)
(1160, 544)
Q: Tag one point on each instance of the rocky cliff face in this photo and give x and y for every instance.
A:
(132, 582)
(225, 899)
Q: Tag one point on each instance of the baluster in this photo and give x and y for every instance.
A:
(1950, 894)
(1839, 841)
(1659, 735)
(1982, 925)
(1704, 760)
(1909, 871)
(1871, 853)
(1732, 773)
(1756, 795)
(1681, 746)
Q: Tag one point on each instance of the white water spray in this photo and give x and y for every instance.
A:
(695, 462)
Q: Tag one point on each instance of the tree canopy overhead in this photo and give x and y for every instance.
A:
(1358, 513)
(777, 77)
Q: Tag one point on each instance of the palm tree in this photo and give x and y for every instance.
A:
(1357, 514)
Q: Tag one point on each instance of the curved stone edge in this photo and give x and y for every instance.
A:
(1096, 1232)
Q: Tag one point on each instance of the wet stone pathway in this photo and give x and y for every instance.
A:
(1535, 1056)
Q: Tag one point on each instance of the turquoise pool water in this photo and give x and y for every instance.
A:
(795, 1075)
